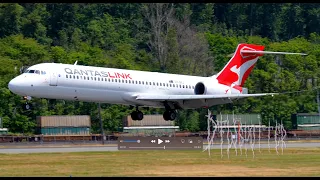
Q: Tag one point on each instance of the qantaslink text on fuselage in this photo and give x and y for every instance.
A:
(97, 73)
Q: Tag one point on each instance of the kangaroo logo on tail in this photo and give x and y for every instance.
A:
(235, 73)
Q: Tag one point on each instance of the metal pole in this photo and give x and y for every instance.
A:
(101, 125)
(239, 132)
(318, 101)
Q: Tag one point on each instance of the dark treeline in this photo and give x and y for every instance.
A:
(193, 39)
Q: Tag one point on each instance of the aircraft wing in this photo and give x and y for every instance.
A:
(152, 97)
(195, 101)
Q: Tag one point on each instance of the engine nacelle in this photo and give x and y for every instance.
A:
(200, 89)
(207, 88)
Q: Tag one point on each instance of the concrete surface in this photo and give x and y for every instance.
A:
(113, 147)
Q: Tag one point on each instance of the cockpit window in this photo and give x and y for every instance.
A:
(35, 72)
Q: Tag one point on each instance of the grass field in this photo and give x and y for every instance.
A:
(294, 162)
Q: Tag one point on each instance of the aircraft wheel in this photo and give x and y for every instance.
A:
(134, 115)
(27, 106)
(166, 116)
(139, 115)
(169, 115)
(172, 115)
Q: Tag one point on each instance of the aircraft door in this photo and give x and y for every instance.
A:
(53, 79)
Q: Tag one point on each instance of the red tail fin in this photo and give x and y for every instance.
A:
(240, 65)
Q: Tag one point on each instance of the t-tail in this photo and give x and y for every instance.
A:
(237, 70)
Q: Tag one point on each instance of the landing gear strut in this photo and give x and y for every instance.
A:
(137, 115)
(169, 114)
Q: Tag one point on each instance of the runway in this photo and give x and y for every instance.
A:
(58, 149)
(272, 145)
(15, 150)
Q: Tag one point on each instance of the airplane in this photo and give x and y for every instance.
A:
(141, 88)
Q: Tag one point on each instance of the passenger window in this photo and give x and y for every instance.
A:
(160, 84)
(154, 84)
(170, 85)
(142, 82)
(74, 77)
(115, 80)
(122, 81)
(126, 81)
(129, 81)
(95, 78)
(66, 76)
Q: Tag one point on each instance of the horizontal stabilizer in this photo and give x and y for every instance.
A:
(267, 52)
(270, 52)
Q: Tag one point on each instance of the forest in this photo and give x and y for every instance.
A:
(186, 38)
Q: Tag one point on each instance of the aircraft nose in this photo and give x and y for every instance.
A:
(13, 84)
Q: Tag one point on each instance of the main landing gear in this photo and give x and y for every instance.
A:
(168, 115)
(137, 115)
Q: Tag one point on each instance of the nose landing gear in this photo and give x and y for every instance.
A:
(27, 106)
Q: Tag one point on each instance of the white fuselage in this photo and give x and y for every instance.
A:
(107, 85)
